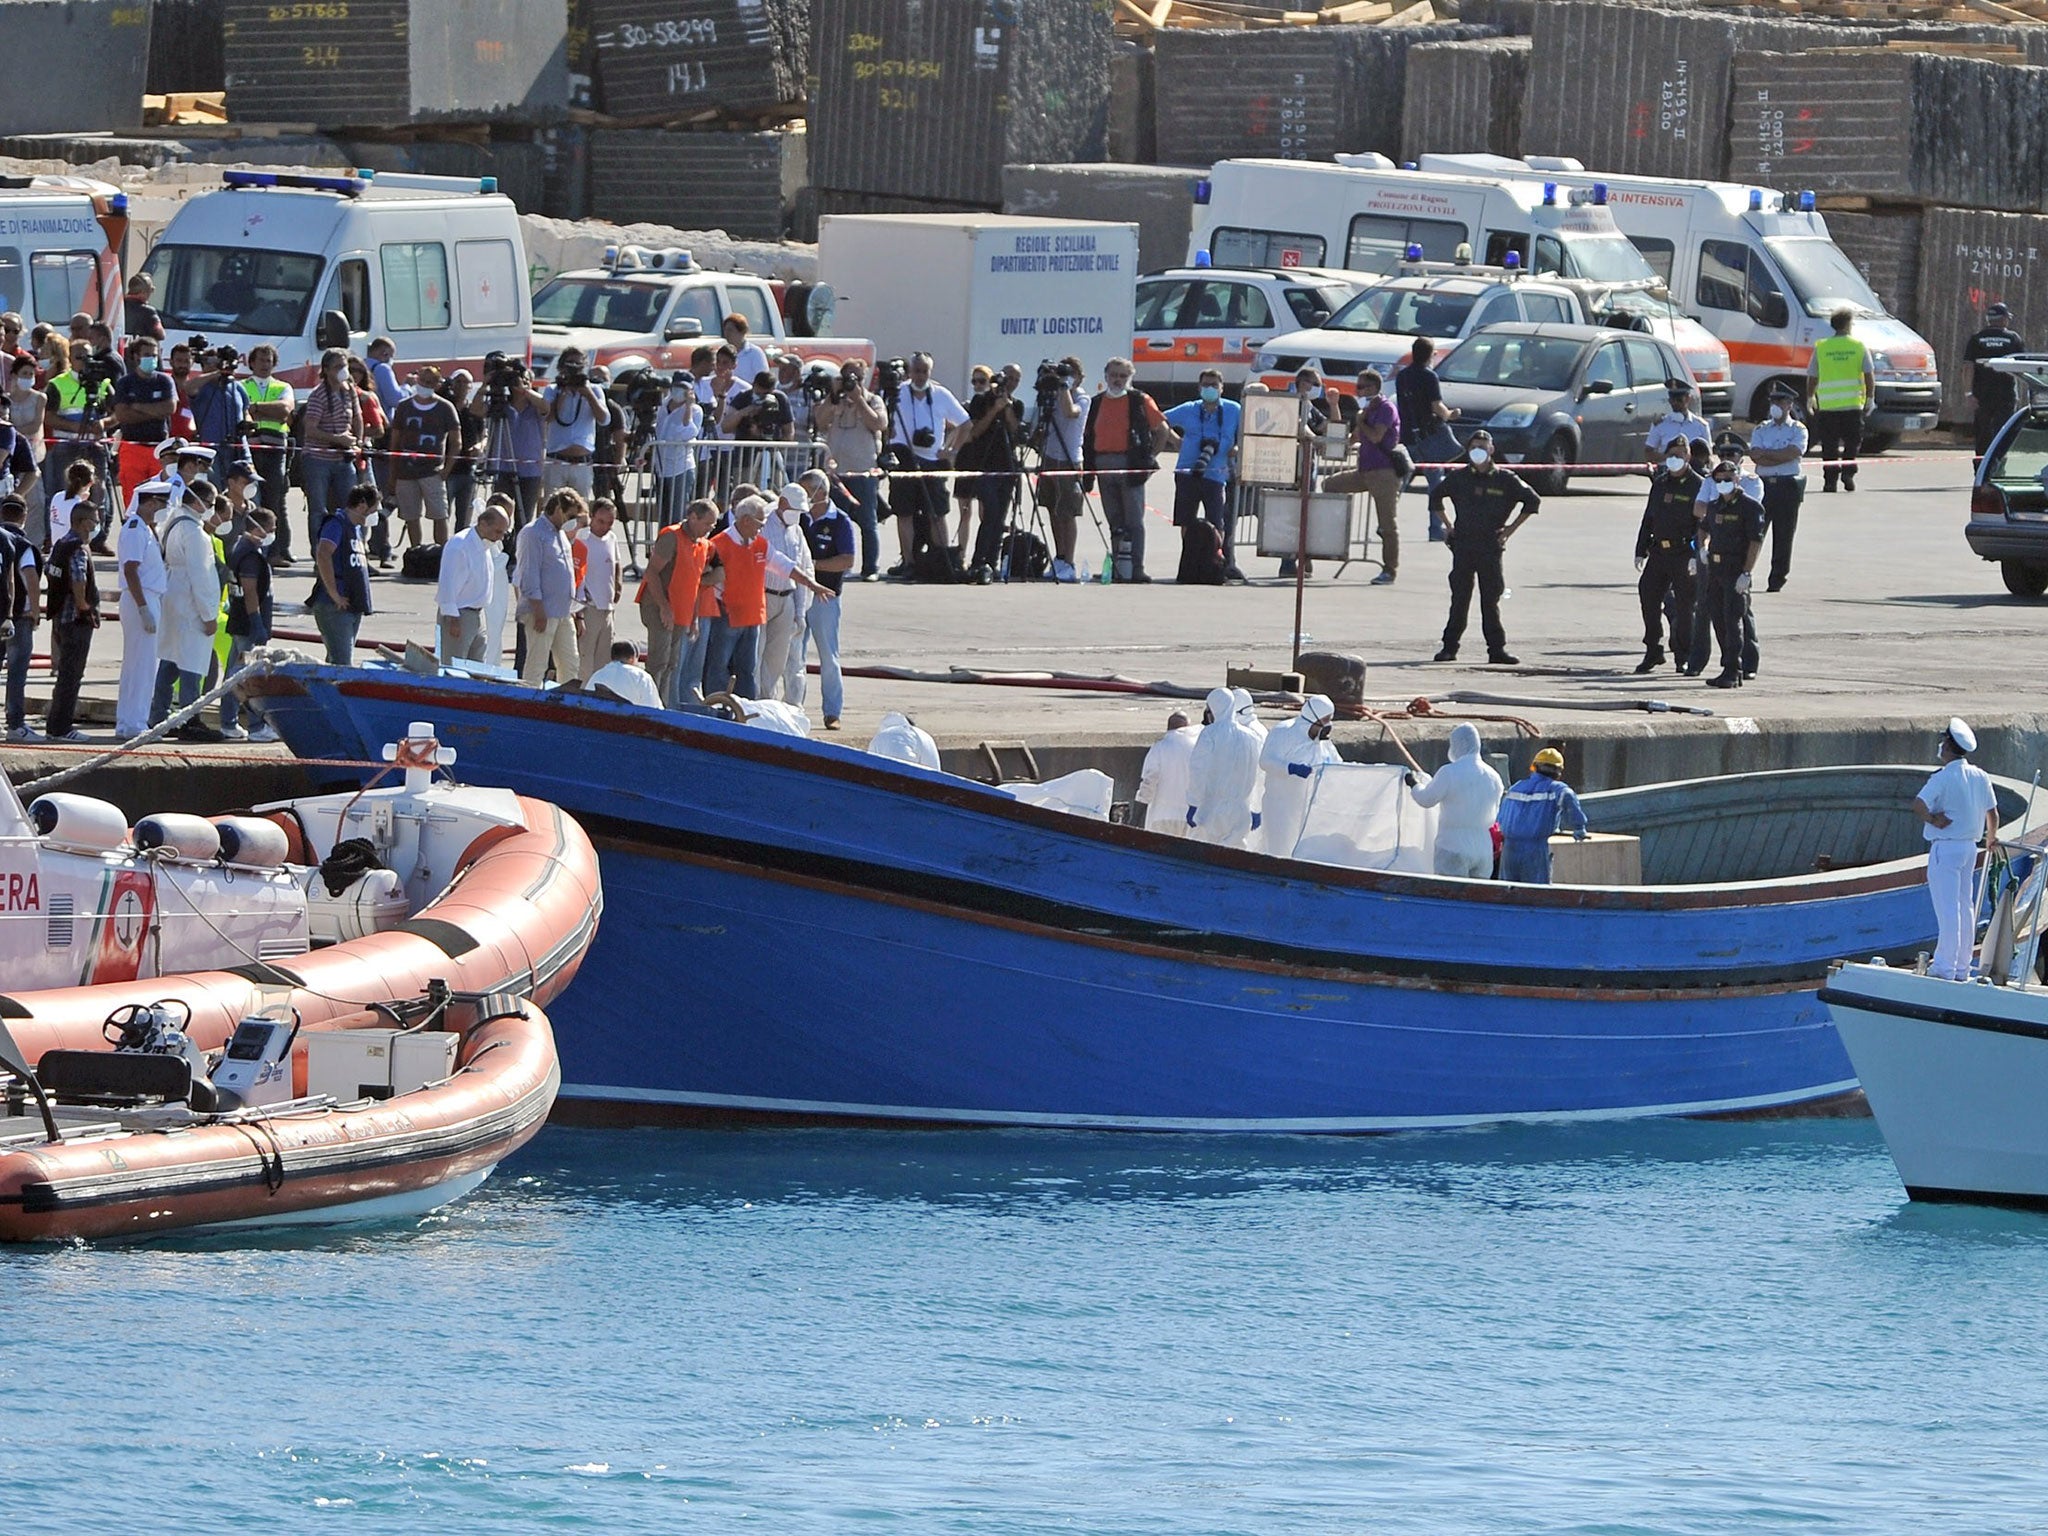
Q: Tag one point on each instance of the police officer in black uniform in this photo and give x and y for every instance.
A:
(1665, 553)
(1491, 503)
(1996, 394)
(1731, 539)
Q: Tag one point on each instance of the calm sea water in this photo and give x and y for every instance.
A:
(1663, 1327)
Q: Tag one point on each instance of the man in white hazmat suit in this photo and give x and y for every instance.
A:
(1289, 760)
(1223, 776)
(906, 742)
(1163, 782)
(1466, 794)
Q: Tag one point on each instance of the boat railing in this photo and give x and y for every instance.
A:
(2014, 882)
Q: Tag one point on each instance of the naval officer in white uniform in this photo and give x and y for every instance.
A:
(1959, 809)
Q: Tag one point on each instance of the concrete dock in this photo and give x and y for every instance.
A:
(1888, 626)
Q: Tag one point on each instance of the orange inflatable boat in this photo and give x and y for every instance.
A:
(317, 907)
(377, 1115)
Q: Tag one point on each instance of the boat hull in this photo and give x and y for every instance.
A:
(1956, 1075)
(918, 949)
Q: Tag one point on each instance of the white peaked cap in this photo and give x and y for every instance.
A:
(1959, 733)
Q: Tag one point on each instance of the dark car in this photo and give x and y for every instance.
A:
(2009, 502)
(1558, 395)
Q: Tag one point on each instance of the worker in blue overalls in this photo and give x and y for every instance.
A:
(1530, 812)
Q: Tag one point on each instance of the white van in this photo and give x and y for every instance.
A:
(1366, 214)
(434, 262)
(60, 248)
(1760, 275)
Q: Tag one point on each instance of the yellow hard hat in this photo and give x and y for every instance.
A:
(1549, 757)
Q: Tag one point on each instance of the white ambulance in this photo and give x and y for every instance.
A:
(1761, 275)
(434, 262)
(60, 248)
(1366, 214)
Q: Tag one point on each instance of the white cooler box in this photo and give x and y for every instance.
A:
(351, 1064)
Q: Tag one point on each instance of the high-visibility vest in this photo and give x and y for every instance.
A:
(72, 398)
(265, 392)
(1838, 367)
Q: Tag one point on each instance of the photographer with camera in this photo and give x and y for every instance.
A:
(802, 392)
(270, 403)
(760, 414)
(516, 431)
(576, 408)
(425, 434)
(989, 446)
(925, 420)
(678, 423)
(1201, 481)
(1059, 402)
(853, 418)
(220, 409)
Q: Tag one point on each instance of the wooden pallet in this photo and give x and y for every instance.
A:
(1142, 18)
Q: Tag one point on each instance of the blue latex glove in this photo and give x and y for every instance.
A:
(1191, 815)
(1256, 819)
(1299, 770)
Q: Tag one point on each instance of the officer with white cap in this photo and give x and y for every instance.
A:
(1466, 793)
(1223, 776)
(1289, 760)
(1958, 809)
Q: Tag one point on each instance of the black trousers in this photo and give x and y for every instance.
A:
(1840, 436)
(272, 481)
(1782, 496)
(1480, 567)
(1733, 625)
(1665, 589)
(1706, 627)
(995, 492)
(1989, 419)
(70, 644)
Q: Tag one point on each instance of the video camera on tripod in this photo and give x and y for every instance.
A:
(502, 375)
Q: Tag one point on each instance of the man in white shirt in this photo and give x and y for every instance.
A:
(463, 594)
(1680, 424)
(922, 437)
(748, 359)
(573, 409)
(677, 426)
(1958, 809)
(604, 561)
(624, 676)
(781, 651)
(141, 560)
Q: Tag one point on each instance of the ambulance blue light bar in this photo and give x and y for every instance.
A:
(1806, 202)
(348, 186)
(1550, 194)
(1756, 199)
(1512, 261)
(1202, 190)
(1599, 194)
(1413, 253)
(1202, 258)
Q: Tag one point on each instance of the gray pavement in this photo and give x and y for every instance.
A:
(1888, 615)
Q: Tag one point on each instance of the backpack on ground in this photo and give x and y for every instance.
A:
(421, 562)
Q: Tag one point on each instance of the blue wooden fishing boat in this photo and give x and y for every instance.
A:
(803, 931)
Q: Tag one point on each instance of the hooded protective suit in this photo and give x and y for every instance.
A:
(1466, 794)
(1289, 762)
(905, 742)
(1163, 783)
(1223, 776)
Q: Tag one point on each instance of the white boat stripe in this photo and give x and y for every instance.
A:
(1051, 1121)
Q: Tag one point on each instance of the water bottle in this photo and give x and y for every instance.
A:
(1108, 566)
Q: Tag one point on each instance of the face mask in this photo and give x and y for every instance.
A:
(265, 541)
(1117, 391)
(1777, 413)
(789, 515)
(423, 392)
(1477, 455)
(678, 392)
(1211, 394)
(1724, 488)
(145, 365)
(1675, 465)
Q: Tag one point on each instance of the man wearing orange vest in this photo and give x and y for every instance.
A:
(679, 599)
(748, 560)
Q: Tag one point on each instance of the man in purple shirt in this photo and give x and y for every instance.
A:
(1376, 434)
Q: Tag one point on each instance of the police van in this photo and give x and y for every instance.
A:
(434, 262)
(60, 245)
(1760, 274)
(1366, 214)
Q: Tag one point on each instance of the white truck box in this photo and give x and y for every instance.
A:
(983, 288)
